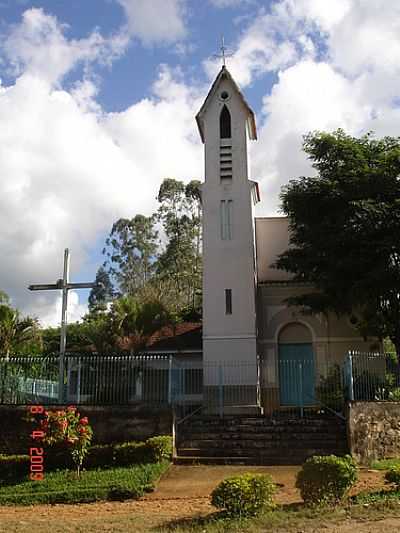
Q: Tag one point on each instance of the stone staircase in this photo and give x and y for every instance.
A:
(258, 440)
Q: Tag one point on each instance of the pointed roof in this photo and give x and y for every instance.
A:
(251, 121)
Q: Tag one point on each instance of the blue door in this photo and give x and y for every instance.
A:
(296, 374)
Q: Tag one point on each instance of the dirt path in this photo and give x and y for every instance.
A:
(183, 493)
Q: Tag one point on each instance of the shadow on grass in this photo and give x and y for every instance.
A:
(221, 521)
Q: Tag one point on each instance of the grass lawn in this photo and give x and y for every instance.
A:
(385, 464)
(93, 485)
(295, 519)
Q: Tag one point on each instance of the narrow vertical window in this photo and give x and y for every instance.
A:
(225, 123)
(228, 301)
(226, 219)
(229, 219)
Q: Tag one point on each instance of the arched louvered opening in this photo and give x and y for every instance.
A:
(225, 123)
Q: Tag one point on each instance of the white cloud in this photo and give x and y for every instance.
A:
(336, 66)
(274, 40)
(69, 170)
(308, 96)
(38, 46)
(230, 3)
(155, 21)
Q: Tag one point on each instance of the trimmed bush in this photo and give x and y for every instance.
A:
(393, 476)
(13, 467)
(326, 479)
(244, 495)
(100, 456)
(154, 450)
(131, 453)
(160, 448)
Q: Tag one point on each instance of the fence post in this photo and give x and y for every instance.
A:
(301, 389)
(170, 380)
(220, 391)
(350, 375)
(78, 385)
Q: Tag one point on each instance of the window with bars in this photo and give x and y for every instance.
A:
(226, 219)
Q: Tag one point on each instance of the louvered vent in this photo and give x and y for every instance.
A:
(225, 160)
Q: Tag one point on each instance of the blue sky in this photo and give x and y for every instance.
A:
(131, 76)
(98, 99)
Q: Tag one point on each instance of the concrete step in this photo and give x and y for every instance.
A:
(259, 437)
(244, 460)
(269, 454)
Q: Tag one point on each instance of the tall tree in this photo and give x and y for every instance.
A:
(180, 261)
(102, 293)
(130, 251)
(345, 227)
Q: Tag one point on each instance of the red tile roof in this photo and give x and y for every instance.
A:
(182, 336)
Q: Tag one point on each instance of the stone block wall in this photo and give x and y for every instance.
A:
(374, 430)
(110, 424)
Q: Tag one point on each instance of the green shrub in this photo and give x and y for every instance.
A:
(13, 467)
(393, 476)
(326, 479)
(244, 495)
(57, 458)
(99, 456)
(160, 448)
(394, 395)
(131, 453)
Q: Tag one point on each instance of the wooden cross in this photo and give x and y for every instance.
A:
(64, 285)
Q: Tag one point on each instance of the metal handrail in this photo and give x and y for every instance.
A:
(189, 415)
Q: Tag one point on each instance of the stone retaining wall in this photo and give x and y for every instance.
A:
(110, 424)
(374, 430)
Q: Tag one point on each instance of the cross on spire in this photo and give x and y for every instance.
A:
(224, 52)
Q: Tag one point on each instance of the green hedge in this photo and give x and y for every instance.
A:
(154, 450)
(130, 453)
(13, 467)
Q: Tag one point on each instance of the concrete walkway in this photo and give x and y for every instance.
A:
(197, 482)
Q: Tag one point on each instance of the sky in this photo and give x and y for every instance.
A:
(98, 101)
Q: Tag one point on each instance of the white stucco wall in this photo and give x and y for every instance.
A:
(228, 264)
(272, 239)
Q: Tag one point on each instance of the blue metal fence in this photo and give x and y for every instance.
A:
(300, 384)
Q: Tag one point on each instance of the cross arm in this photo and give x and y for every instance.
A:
(81, 285)
(51, 287)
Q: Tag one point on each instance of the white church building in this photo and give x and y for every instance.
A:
(264, 352)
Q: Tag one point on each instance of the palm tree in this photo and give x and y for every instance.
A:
(17, 333)
(139, 319)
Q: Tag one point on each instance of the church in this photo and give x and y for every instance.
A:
(263, 353)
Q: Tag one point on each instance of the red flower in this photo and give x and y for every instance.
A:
(71, 408)
(84, 421)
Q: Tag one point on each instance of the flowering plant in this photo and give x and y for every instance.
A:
(68, 428)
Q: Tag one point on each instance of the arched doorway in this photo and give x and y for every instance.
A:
(296, 366)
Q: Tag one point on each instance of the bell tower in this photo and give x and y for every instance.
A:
(225, 122)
